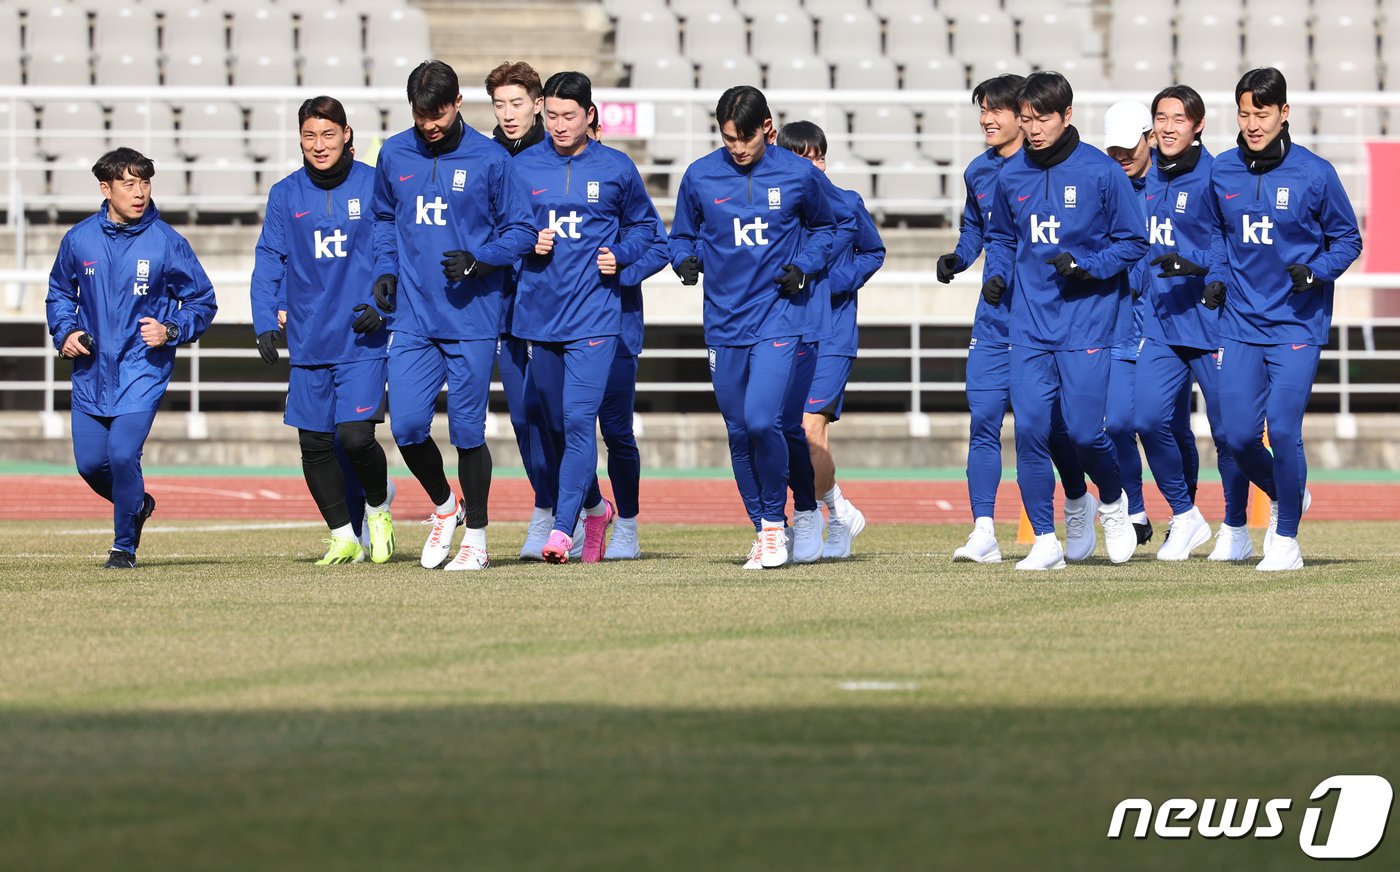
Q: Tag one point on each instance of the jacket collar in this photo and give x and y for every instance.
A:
(112, 228)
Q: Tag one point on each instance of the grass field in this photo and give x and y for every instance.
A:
(230, 706)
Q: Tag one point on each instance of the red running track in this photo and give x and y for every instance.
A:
(663, 501)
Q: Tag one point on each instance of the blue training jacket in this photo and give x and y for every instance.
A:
(426, 204)
(1295, 213)
(1128, 348)
(1085, 206)
(562, 296)
(744, 224)
(980, 179)
(851, 267)
(1179, 221)
(630, 279)
(315, 256)
(106, 278)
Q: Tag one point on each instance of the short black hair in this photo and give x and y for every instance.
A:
(999, 92)
(1265, 85)
(116, 163)
(432, 87)
(1190, 101)
(571, 85)
(1045, 92)
(803, 138)
(746, 106)
(325, 108)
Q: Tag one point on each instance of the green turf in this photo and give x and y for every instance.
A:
(230, 706)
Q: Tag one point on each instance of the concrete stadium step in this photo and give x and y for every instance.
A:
(549, 35)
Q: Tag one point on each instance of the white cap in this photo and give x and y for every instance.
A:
(1124, 124)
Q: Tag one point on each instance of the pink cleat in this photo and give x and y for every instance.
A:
(556, 550)
(595, 529)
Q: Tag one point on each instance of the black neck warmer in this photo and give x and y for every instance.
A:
(1181, 164)
(1056, 154)
(335, 176)
(1270, 156)
(516, 146)
(449, 142)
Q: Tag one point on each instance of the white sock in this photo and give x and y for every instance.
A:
(832, 497)
(985, 525)
(475, 537)
(346, 532)
(448, 507)
(596, 511)
(541, 515)
(1138, 518)
(629, 523)
(383, 508)
(768, 525)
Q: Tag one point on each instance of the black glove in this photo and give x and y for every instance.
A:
(85, 340)
(457, 265)
(1066, 266)
(369, 320)
(992, 289)
(1303, 278)
(385, 287)
(1214, 296)
(947, 268)
(1174, 265)
(688, 270)
(793, 281)
(267, 346)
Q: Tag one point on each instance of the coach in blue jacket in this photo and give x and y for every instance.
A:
(125, 289)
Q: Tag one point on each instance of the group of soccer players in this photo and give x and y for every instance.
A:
(1113, 281)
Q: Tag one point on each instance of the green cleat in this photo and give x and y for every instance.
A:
(342, 551)
(381, 536)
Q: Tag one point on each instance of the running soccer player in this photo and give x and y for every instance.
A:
(124, 291)
(855, 258)
(450, 218)
(315, 257)
(989, 351)
(1288, 232)
(757, 222)
(1180, 336)
(1064, 231)
(568, 303)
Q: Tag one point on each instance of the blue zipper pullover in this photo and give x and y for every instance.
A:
(980, 179)
(819, 314)
(1085, 206)
(1180, 221)
(562, 296)
(426, 204)
(1295, 213)
(106, 278)
(1127, 348)
(630, 278)
(851, 267)
(744, 224)
(315, 256)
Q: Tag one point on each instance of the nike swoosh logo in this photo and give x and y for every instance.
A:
(1296, 347)
(407, 177)
(777, 344)
(89, 262)
(1093, 351)
(535, 192)
(1231, 196)
(362, 409)
(1309, 281)
(594, 343)
(815, 402)
(718, 200)
(1023, 199)
(303, 214)
(1151, 196)
(980, 196)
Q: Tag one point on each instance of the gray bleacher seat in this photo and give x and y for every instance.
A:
(809, 73)
(123, 69)
(782, 33)
(620, 9)
(11, 66)
(913, 36)
(364, 118)
(1211, 42)
(823, 9)
(892, 8)
(330, 31)
(211, 129)
(1344, 124)
(56, 27)
(207, 71)
(60, 67)
(72, 185)
(719, 32)
(912, 179)
(216, 185)
(1223, 9)
(688, 8)
(831, 118)
(855, 33)
(883, 132)
(129, 29)
(147, 127)
(985, 69)
(194, 40)
(322, 72)
(1048, 37)
(400, 117)
(1346, 74)
(958, 9)
(935, 74)
(851, 174)
(262, 31)
(984, 36)
(869, 73)
(943, 126)
(721, 73)
(1211, 73)
(1273, 34)
(1150, 73)
(682, 134)
(1023, 10)
(1139, 38)
(396, 41)
(72, 128)
(673, 72)
(269, 125)
(754, 8)
(1084, 73)
(648, 34)
(264, 70)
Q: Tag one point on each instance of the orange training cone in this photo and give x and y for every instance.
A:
(1025, 535)
(1259, 501)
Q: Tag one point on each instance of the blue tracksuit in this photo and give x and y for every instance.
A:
(744, 224)
(572, 313)
(1271, 338)
(105, 279)
(1083, 205)
(428, 200)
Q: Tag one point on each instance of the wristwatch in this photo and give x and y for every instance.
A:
(172, 332)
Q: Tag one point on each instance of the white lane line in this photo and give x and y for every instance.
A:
(943, 505)
(878, 685)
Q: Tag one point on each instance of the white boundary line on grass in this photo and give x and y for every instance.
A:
(878, 685)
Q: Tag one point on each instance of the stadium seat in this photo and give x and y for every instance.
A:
(262, 31)
(217, 185)
(854, 33)
(911, 182)
(774, 35)
(56, 27)
(330, 32)
(720, 32)
(260, 70)
(985, 69)
(1346, 74)
(754, 8)
(11, 68)
(396, 41)
(674, 72)
(914, 36)
(1052, 36)
(126, 29)
(682, 134)
(619, 9)
(193, 28)
(365, 118)
(1211, 73)
(690, 8)
(60, 68)
(270, 127)
(327, 71)
(883, 132)
(1209, 43)
(799, 74)
(1225, 10)
(935, 74)
(888, 9)
(197, 70)
(648, 34)
(1272, 35)
(17, 130)
(851, 174)
(946, 130)
(1084, 73)
(211, 129)
(123, 69)
(984, 36)
(147, 127)
(867, 74)
(828, 116)
(72, 128)
(1144, 74)
(960, 9)
(721, 73)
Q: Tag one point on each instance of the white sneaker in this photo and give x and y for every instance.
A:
(842, 529)
(1231, 544)
(1283, 554)
(1119, 537)
(753, 561)
(439, 543)
(1046, 553)
(1272, 531)
(1188, 532)
(577, 540)
(470, 556)
(537, 535)
(981, 545)
(364, 525)
(623, 545)
(772, 547)
(1080, 536)
(807, 536)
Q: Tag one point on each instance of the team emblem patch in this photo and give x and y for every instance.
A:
(593, 192)
(354, 206)
(1281, 199)
(1071, 196)
(972, 343)
(712, 360)
(459, 179)
(1219, 356)
(143, 269)
(775, 198)
(1181, 202)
